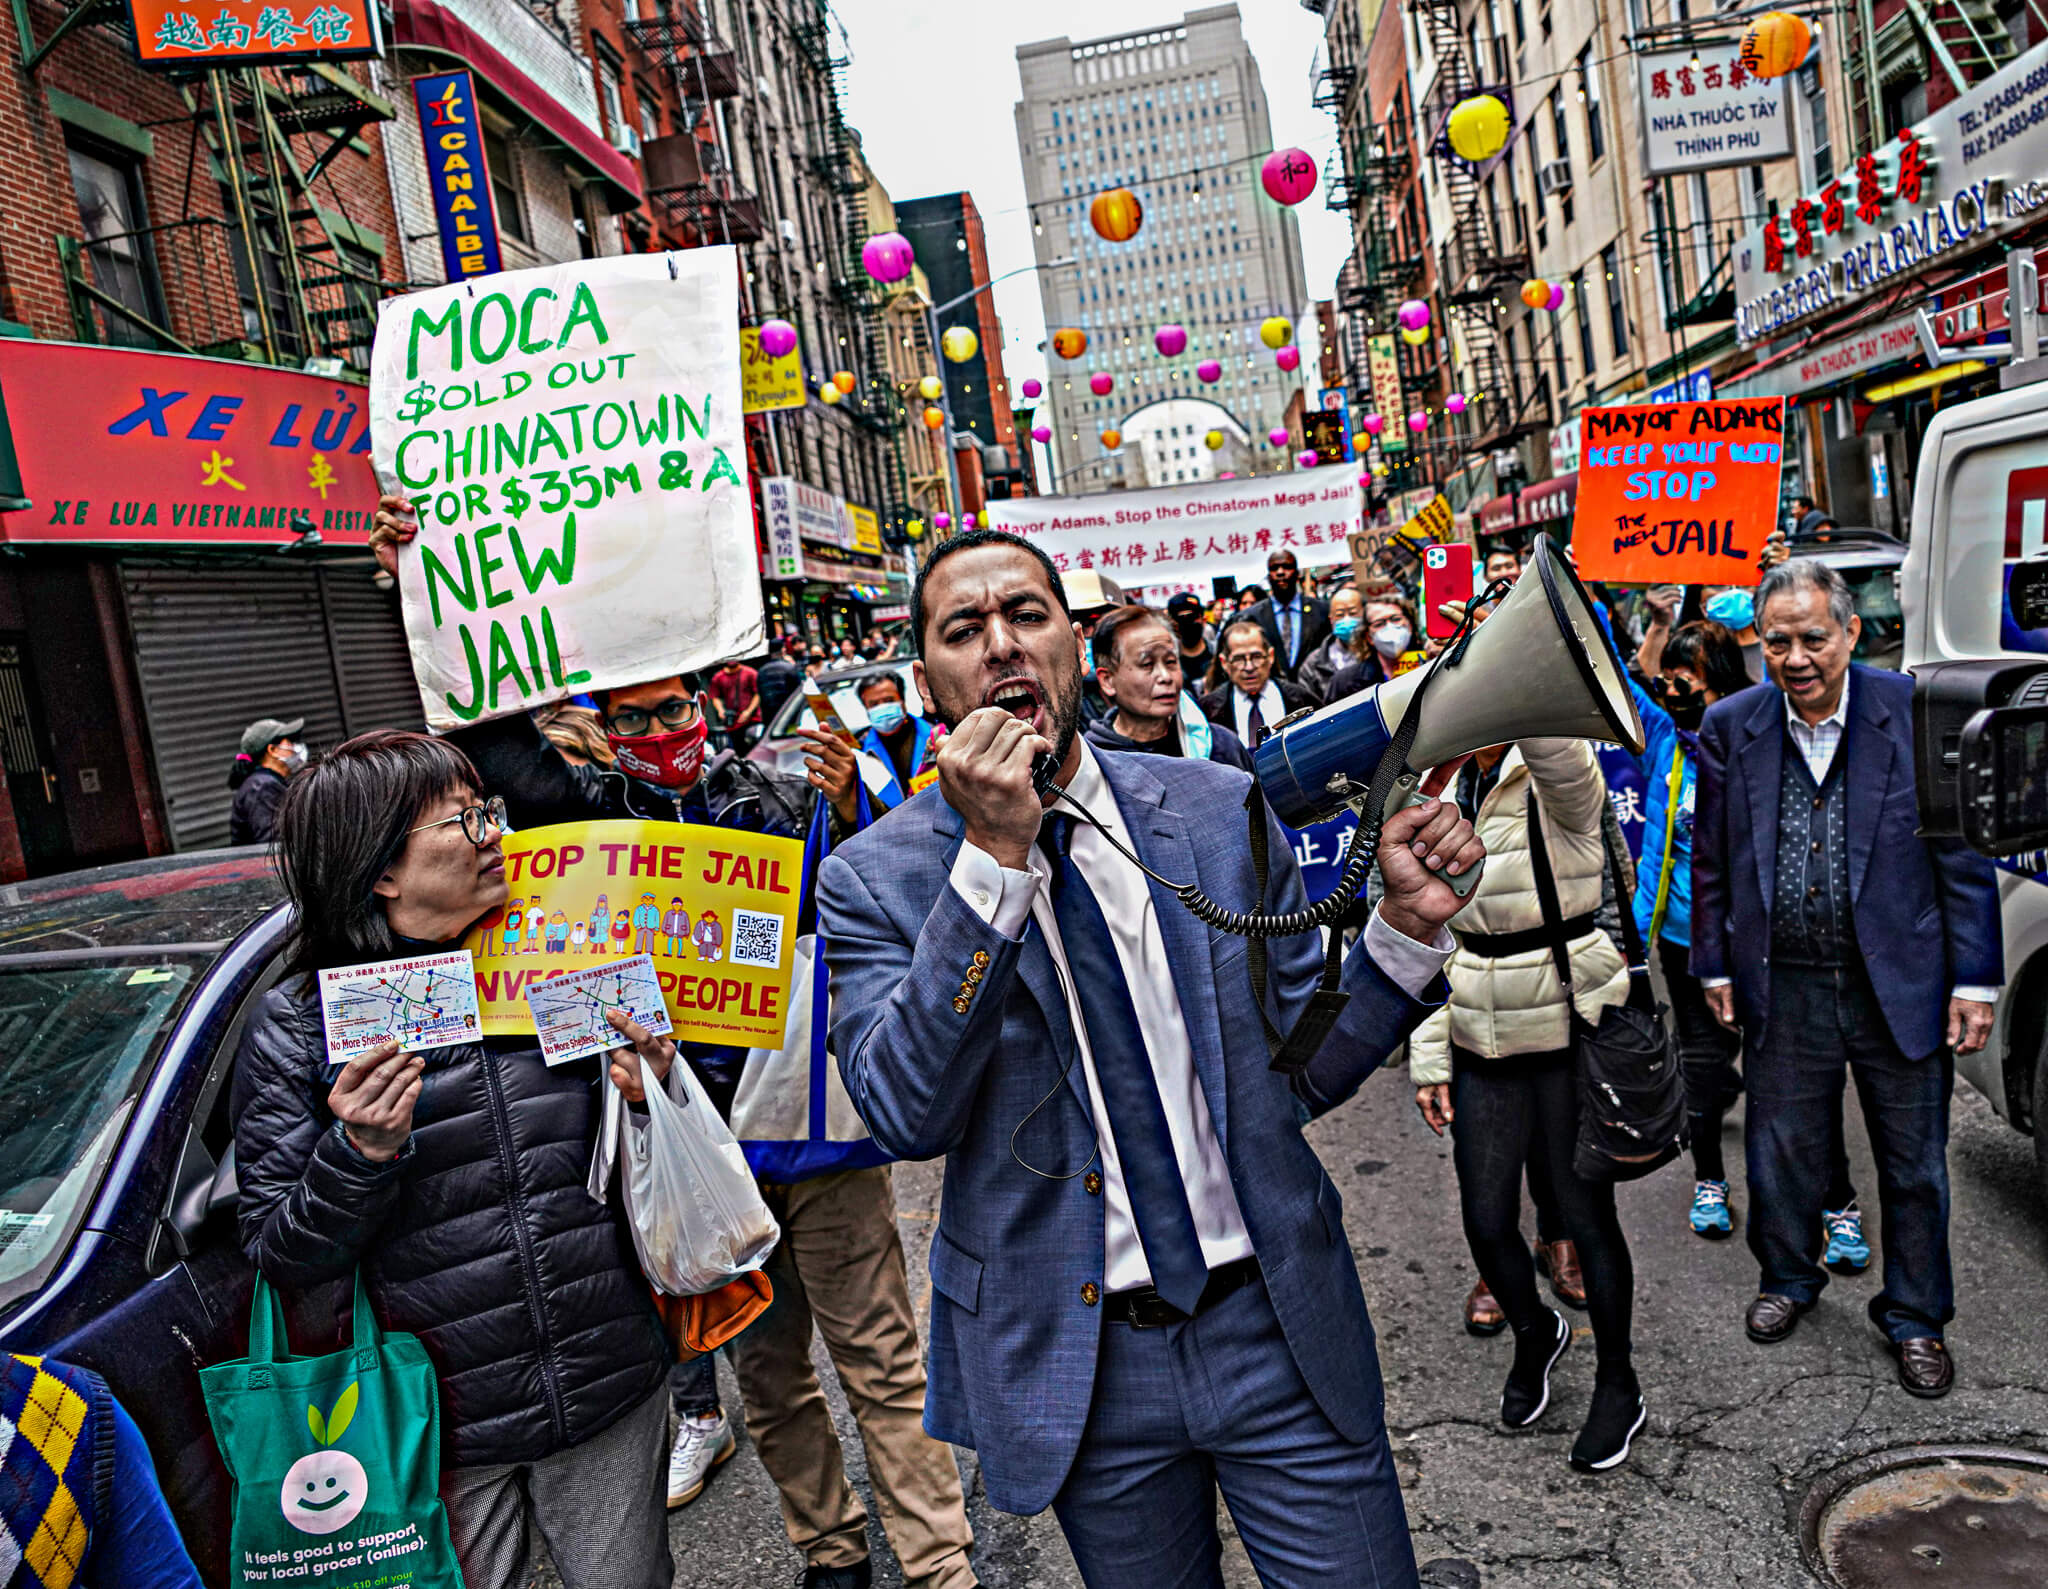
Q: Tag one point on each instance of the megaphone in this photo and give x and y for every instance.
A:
(1540, 666)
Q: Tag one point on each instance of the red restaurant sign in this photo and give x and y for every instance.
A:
(119, 445)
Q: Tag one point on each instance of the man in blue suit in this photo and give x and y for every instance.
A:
(1837, 939)
(1142, 1287)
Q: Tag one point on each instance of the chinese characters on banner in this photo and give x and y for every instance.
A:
(1677, 493)
(1384, 363)
(178, 33)
(1216, 527)
(457, 175)
(571, 438)
(1702, 110)
(122, 445)
(715, 907)
(769, 383)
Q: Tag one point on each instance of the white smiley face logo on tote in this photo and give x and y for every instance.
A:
(325, 1489)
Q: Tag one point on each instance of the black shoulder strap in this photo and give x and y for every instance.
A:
(1546, 893)
(1624, 901)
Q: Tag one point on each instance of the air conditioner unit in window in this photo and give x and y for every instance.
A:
(787, 228)
(1555, 178)
(626, 139)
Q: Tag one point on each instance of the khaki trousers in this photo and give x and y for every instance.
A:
(840, 1266)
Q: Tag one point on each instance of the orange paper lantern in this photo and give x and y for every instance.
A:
(1775, 43)
(1070, 343)
(843, 379)
(934, 418)
(1116, 215)
(1536, 293)
(1112, 439)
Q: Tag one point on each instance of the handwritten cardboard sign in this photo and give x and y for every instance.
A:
(572, 439)
(1677, 493)
(714, 907)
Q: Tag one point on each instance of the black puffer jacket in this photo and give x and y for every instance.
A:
(479, 1238)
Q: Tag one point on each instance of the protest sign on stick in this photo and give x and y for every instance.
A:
(573, 441)
(1677, 493)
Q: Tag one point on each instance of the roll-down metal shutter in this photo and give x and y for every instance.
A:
(218, 647)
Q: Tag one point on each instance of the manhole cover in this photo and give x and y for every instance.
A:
(1962, 1515)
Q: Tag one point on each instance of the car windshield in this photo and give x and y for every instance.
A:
(843, 690)
(77, 1038)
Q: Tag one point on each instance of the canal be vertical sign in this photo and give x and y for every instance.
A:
(457, 176)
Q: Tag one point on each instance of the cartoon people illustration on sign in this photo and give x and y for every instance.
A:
(490, 927)
(513, 916)
(709, 937)
(579, 935)
(536, 924)
(558, 933)
(647, 924)
(622, 932)
(676, 923)
(600, 924)
(325, 1489)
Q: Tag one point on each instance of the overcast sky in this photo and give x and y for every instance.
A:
(934, 89)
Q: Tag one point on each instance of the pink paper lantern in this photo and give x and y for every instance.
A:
(1100, 383)
(1041, 434)
(1365, 480)
(778, 338)
(1288, 176)
(1208, 372)
(1373, 424)
(1414, 315)
(1171, 341)
(943, 521)
(1455, 403)
(1418, 423)
(1277, 437)
(1032, 388)
(1556, 297)
(1305, 459)
(887, 257)
(1288, 358)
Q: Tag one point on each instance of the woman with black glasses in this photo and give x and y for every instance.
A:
(455, 1180)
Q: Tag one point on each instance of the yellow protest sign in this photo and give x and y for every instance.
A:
(1432, 524)
(715, 907)
(867, 530)
(767, 383)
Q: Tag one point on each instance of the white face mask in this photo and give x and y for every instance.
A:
(1391, 639)
(293, 756)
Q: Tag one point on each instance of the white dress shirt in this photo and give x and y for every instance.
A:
(1006, 899)
(1271, 710)
(1817, 744)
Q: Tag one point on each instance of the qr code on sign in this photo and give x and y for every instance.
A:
(756, 939)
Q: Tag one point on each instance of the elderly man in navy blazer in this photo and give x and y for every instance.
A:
(1142, 1287)
(1838, 940)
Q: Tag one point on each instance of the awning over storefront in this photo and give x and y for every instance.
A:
(426, 25)
(1531, 506)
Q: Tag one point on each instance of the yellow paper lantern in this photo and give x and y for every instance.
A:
(1775, 43)
(829, 394)
(934, 418)
(1116, 215)
(1536, 293)
(914, 529)
(1213, 441)
(1276, 332)
(843, 379)
(1112, 439)
(1070, 343)
(931, 388)
(960, 344)
(1479, 127)
(1416, 337)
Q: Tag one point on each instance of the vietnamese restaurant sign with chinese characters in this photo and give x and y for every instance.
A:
(1975, 169)
(177, 34)
(1701, 111)
(1193, 532)
(117, 444)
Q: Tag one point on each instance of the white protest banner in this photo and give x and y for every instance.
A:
(1191, 532)
(572, 438)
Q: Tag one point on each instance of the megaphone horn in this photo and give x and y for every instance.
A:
(1540, 666)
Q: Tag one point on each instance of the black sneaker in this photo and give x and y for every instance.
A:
(1527, 1391)
(1611, 1424)
(857, 1576)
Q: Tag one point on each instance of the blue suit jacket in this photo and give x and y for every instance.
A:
(1926, 910)
(938, 1062)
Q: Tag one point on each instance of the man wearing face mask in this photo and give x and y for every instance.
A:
(1383, 638)
(1347, 622)
(1191, 632)
(895, 738)
(270, 753)
(1731, 606)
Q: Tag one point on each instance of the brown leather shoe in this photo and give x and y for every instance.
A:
(1560, 1261)
(1925, 1368)
(1482, 1313)
(1771, 1317)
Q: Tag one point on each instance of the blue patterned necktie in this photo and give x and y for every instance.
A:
(1144, 1147)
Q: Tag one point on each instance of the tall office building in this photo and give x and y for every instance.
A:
(1177, 114)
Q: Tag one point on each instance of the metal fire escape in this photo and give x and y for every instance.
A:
(689, 178)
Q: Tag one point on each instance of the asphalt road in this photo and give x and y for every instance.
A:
(1737, 1432)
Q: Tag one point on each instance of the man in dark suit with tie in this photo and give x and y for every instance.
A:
(1294, 623)
(1837, 939)
(1142, 1287)
(1253, 699)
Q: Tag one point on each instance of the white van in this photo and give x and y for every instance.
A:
(1980, 513)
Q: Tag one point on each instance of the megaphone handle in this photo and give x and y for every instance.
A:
(1407, 791)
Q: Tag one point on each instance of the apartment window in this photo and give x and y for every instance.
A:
(110, 208)
(1521, 26)
(1589, 87)
(505, 186)
(649, 103)
(1814, 92)
(608, 79)
(1617, 316)
(1582, 311)
(1559, 128)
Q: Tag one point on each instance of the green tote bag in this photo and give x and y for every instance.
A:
(336, 1460)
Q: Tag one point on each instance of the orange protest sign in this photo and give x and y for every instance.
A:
(1677, 493)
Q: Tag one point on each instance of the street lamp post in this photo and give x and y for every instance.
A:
(931, 316)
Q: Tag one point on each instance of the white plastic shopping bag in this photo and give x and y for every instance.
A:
(696, 1215)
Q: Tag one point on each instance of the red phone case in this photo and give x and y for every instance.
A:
(1446, 576)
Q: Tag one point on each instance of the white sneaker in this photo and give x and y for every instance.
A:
(701, 1444)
